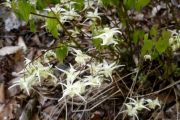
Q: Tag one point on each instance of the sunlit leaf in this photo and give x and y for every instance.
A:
(22, 8)
(32, 26)
(52, 25)
(97, 43)
(148, 45)
(129, 3)
(163, 42)
(140, 4)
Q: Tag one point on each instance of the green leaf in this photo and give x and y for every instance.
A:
(61, 51)
(115, 2)
(163, 42)
(107, 3)
(154, 31)
(52, 25)
(41, 4)
(97, 43)
(130, 4)
(140, 4)
(148, 45)
(137, 35)
(154, 54)
(24, 9)
(166, 34)
(55, 1)
(32, 26)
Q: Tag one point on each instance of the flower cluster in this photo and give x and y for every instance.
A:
(138, 105)
(93, 74)
(34, 74)
(65, 15)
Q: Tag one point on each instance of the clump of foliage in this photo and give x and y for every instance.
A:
(116, 47)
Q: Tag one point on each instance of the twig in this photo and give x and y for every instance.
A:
(156, 92)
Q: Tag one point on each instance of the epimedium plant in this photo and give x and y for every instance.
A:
(110, 44)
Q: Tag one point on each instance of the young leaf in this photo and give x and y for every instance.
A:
(163, 42)
(137, 35)
(148, 45)
(24, 9)
(166, 34)
(32, 26)
(79, 4)
(97, 43)
(52, 25)
(61, 51)
(130, 4)
(41, 4)
(153, 31)
(140, 4)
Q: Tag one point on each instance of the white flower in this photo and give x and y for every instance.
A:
(37, 69)
(69, 15)
(93, 81)
(95, 68)
(73, 89)
(43, 72)
(107, 36)
(131, 111)
(71, 74)
(74, 32)
(147, 57)
(108, 68)
(138, 104)
(33, 75)
(25, 83)
(153, 103)
(93, 15)
(81, 58)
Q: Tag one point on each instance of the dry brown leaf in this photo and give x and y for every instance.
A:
(96, 115)
(2, 95)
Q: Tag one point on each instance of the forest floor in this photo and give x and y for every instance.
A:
(15, 104)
